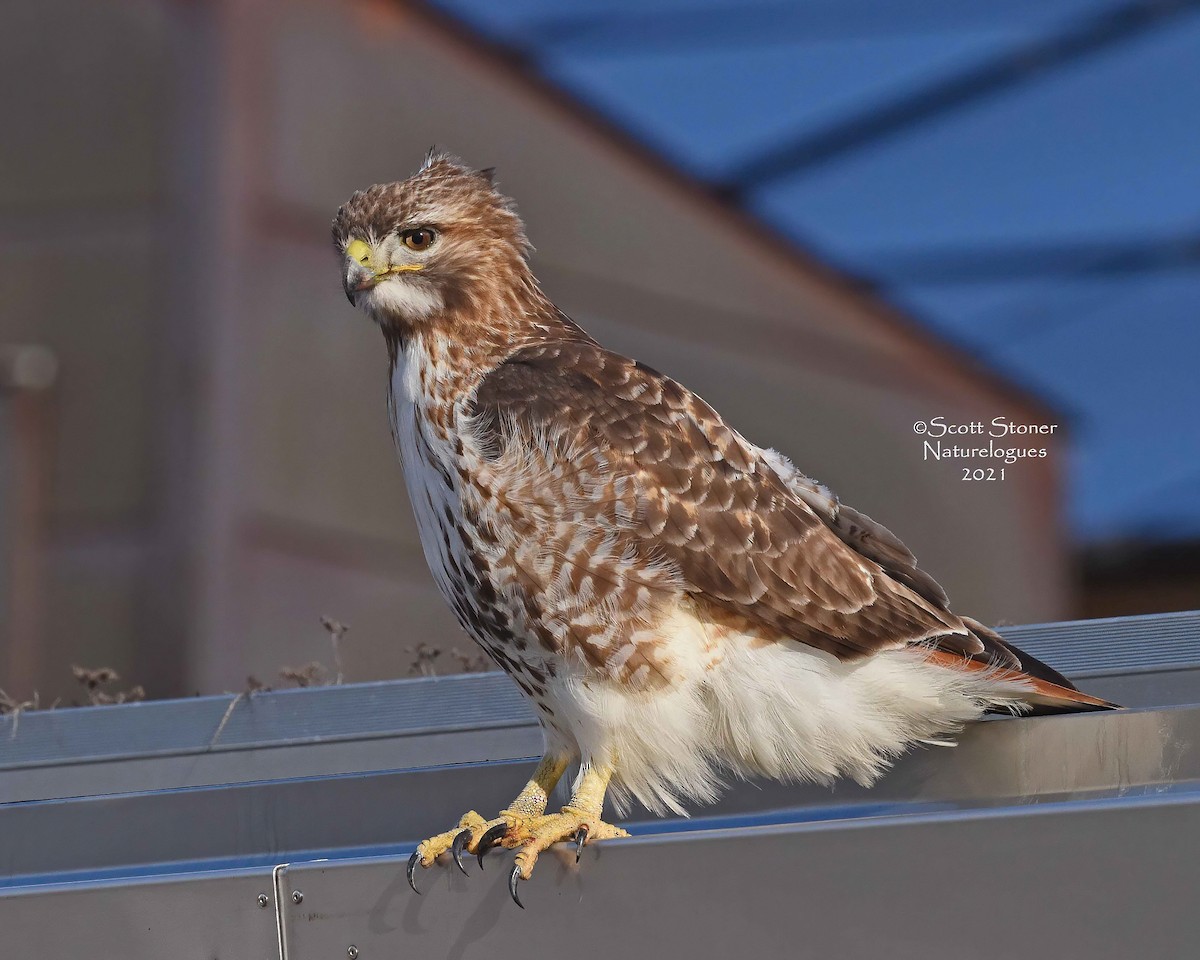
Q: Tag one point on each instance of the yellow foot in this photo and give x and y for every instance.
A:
(532, 835)
(474, 835)
(470, 825)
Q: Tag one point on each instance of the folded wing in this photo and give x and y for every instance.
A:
(776, 549)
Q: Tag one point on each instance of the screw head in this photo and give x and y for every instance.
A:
(297, 896)
(352, 952)
(263, 900)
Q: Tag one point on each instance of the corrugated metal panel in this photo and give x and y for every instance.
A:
(1083, 648)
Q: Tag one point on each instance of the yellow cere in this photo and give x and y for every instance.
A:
(358, 250)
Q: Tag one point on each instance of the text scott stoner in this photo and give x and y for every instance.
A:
(999, 427)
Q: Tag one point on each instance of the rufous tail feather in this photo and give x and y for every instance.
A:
(1041, 693)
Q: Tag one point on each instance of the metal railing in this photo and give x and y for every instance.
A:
(1075, 834)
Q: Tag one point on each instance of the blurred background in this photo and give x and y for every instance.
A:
(831, 218)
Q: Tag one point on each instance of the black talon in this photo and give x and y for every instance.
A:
(581, 836)
(412, 868)
(513, 878)
(456, 848)
(489, 840)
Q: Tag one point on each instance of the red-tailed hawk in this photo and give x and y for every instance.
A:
(680, 605)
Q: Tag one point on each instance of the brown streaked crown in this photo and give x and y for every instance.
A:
(443, 193)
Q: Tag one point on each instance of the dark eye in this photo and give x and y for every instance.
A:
(419, 239)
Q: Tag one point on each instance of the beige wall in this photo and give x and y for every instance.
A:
(83, 169)
(226, 473)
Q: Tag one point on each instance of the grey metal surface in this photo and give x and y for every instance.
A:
(1115, 645)
(211, 917)
(142, 774)
(1001, 762)
(1146, 687)
(1100, 880)
(286, 733)
(1069, 836)
(410, 723)
(278, 717)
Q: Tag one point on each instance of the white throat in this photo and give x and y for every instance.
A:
(403, 297)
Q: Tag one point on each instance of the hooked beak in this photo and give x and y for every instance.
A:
(356, 279)
(360, 269)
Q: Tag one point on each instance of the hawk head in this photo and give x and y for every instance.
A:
(442, 240)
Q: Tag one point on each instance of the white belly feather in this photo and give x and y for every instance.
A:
(780, 710)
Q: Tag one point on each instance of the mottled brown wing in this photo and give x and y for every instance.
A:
(877, 543)
(866, 536)
(707, 501)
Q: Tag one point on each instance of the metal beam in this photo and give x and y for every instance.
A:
(1031, 261)
(1105, 881)
(642, 30)
(405, 724)
(996, 763)
(1022, 64)
(1043, 836)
